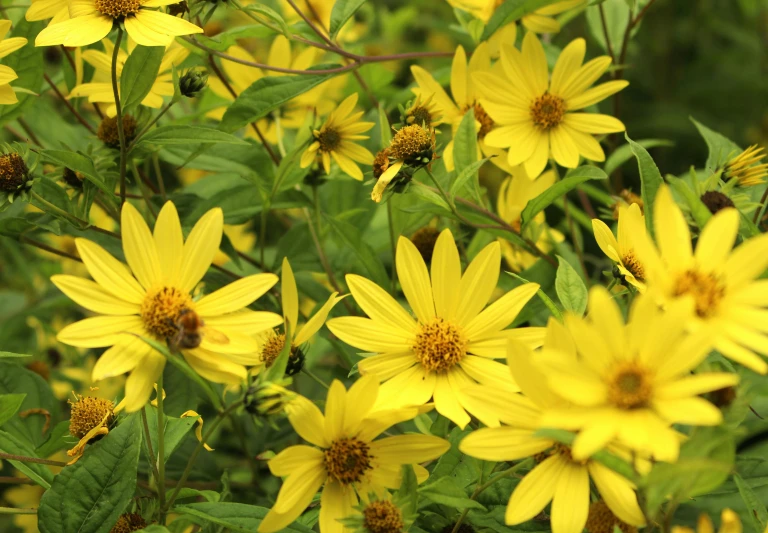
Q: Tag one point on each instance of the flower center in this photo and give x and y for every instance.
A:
(382, 516)
(118, 8)
(161, 310)
(632, 264)
(420, 116)
(410, 142)
(329, 139)
(439, 345)
(547, 111)
(706, 289)
(88, 413)
(424, 239)
(602, 520)
(715, 201)
(127, 523)
(347, 460)
(486, 122)
(109, 134)
(629, 386)
(13, 172)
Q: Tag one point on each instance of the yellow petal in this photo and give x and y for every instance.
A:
(501, 313)
(414, 279)
(169, 242)
(478, 283)
(295, 457)
(110, 273)
(92, 296)
(100, 331)
(200, 248)
(370, 335)
(408, 449)
(378, 304)
(570, 503)
(617, 493)
(141, 381)
(236, 295)
(198, 429)
(446, 275)
(336, 502)
(534, 492)
(139, 247)
(307, 421)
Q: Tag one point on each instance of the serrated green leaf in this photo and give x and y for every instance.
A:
(237, 517)
(570, 288)
(139, 74)
(757, 512)
(650, 180)
(342, 11)
(186, 134)
(15, 379)
(721, 148)
(573, 178)
(510, 11)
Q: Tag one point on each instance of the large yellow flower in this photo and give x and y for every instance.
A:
(346, 460)
(452, 341)
(335, 139)
(558, 477)
(630, 382)
(56, 10)
(730, 302)
(92, 20)
(100, 90)
(151, 298)
(7, 74)
(540, 21)
(623, 251)
(534, 113)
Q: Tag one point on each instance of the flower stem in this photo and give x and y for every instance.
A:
(150, 451)
(25, 459)
(151, 123)
(393, 245)
(160, 449)
(120, 128)
(13, 510)
(315, 378)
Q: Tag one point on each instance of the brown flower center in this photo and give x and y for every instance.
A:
(715, 201)
(424, 239)
(707, 290)
(118, 8)
(329, 139)
(547, 111)
(409, 142)
(109, 133)
(602, 520)
(439, 345)
(383, 516)
(347, 460)
(632, 264)
(629, 385)
(88, 413)
(486, 122)
(13, 172)
(420, 116)
(380, 163)
(161, 309)
(128, 522)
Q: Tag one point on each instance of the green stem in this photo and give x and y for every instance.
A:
(151, 123)
(159, 176)
(393, 244)
(160, 449)
(315, 378)
(25, 459)
(13, 510)
(148, 439)
(120, 128)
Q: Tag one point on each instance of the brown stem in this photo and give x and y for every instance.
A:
(311, 24)
(26, 240)
(74, 111)
(586, 204)
(148, 183)
(69, 58)
(759, 209)
(28, 130)
(608, 42)
(9, 480)
(25, 459)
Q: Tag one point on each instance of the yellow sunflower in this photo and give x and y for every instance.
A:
(515, 193)
(729, 301)
(272, 342)
(630, 382)
(335, 139)
(747, 167)
(623, 251)
(534, 114)
(452, 342)
(92, 20)
(7, 74)
(100, 90)
(151, 299)
(346, 460)
(558, 477)
(540, 21)
(56, 10)
(729, 523)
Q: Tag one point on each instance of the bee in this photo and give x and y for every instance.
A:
(190, 330)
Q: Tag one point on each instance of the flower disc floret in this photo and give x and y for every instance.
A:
(706, 289)
(347, 460)
(161, 310)
(13, 172)
(118, 8)
(548, 111)
(440, 345)
(630, 386)
(88, 413)
(383, 516)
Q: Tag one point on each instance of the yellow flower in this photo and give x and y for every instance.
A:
(100, 90)
(153, 299)
(630, 382)
(452, 341)
(412, 145)
(272, 343)
(729, 523)
(623, 251)
(90, 418)
(465, 96)
(729, 300)
(336, 137)
(557, 477)
(48, 9)
(346, 458)
(515, 193)
(540, 21)
(533, 113)
(7, 74)
(743, 169)
(92, 20)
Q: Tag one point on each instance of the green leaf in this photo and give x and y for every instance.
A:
(15, 379)
(616, 13)
(650, 180)
(569, 182)
(186, 134)
(342, 11)
(271, 13)
(570, 288)
(463, 469)
(139, 74)
(700, 212)
(79, 163)
(721, 148)
(510, 11)
(175, 430)
(465, 142)
(267, 94)
(90, 495)
(155, 528)
(445, 491)
(11, 355)
(9, 406)
(467, 174)
(59, 439)
(385, 129)
(546, 300)
(289, 172)
(408, 489)
(758, 514)
(237, 517)
(14, 445)
(623, 153)
(352, 239)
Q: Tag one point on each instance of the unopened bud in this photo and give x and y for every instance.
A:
(192, 82)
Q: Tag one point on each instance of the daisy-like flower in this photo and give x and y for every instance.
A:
(729, 523)
(90, 417)
(515, 193)
(631, 382)
(729, 301)
(623, 251)
(534, 114)
(92, 20)
(747, 168)
(465, 96)
(153, 299)
(558, 477)
(7, 74)
(336, 139)
(423, 111)
(452, 342)
(272, 342)
(412, 145)
(346, 460)
(540, 21)
(100, 90)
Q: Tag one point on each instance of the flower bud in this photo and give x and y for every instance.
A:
(192, 82)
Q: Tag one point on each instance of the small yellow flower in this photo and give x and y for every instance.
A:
(729, 523)
(90, 418)
(424, 112)
(7, 74)
(335, 139)
(412, 145)
(344, 460)
(534, 113)
(623, 251)
(747, 167)
(540, 21)
(92, 20)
